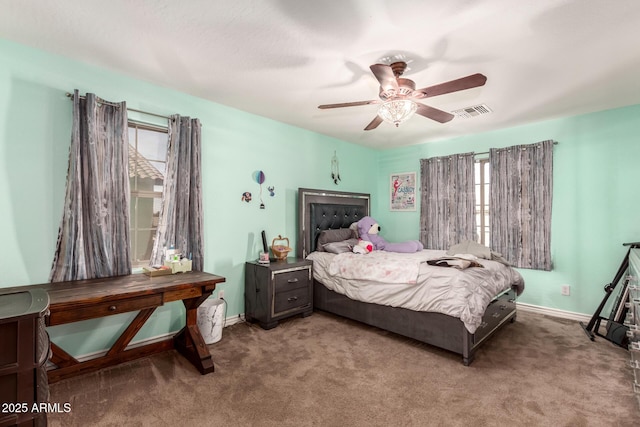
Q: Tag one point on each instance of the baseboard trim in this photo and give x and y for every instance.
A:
(229, 321)
(553, 312)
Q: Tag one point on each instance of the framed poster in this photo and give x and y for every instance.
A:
(403, 191)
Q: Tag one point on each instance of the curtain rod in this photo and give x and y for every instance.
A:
(486, 152)
(70, 96)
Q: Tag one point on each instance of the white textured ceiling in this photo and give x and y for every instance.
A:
(280, 59)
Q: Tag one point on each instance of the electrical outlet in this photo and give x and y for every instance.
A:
(565, 290)
(221, 294)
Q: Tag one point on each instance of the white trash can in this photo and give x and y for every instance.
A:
(211, 319)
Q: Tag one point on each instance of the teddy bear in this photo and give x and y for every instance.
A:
(368, 230)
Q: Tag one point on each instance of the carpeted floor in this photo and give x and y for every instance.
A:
(327, 371)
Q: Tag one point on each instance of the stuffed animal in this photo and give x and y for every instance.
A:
(368, 230)
(363, 247)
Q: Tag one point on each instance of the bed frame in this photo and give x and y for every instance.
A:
(321, 210)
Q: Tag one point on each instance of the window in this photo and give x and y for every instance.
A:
(147, 163)
(482, 173)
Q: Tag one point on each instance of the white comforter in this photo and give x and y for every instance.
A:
(406, 280)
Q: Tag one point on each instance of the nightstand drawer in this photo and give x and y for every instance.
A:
(292, 279)
(293, 299)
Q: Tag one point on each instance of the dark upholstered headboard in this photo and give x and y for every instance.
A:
(322, 210)
(330, 216)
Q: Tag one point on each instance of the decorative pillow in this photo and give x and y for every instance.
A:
(330, 236)
(354, 227)
(340, 247)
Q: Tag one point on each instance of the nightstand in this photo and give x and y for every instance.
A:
(277, 290)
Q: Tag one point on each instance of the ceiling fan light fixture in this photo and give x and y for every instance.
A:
(397, 111)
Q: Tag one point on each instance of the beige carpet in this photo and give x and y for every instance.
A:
(328, 371)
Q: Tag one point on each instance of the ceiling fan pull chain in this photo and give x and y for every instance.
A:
(335, 169)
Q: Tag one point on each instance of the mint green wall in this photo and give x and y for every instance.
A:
(595, 199)
(35, 126)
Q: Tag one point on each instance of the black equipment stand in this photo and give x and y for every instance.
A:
(616, 330)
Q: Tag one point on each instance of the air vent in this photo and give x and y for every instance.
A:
(474, 111)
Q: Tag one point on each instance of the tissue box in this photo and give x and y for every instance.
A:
(181, 266)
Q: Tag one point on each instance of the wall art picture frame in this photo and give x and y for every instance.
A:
(403, 191)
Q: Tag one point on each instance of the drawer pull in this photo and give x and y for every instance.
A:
(291, 299)
(294, 280)
(112, 308)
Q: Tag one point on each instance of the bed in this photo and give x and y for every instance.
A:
(462, 330)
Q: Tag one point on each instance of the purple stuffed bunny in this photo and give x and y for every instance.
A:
(368, 229)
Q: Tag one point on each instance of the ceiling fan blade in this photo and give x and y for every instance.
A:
(463, 83)
(347, 104)
(374, 123)
(385, 76)
(434, 113)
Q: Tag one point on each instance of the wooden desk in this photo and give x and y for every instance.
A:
(89, 299)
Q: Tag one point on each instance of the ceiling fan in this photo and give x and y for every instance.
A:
(399, 96)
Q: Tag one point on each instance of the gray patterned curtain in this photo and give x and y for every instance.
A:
(181, 213)
(520, 203)
(447, 200)
(93, 239)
